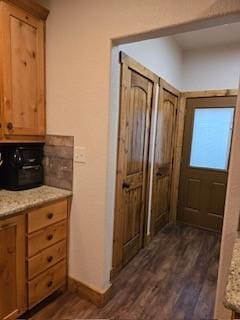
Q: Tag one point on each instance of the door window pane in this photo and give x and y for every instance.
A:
(211, 140)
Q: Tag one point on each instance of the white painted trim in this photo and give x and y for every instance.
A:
(152, 153)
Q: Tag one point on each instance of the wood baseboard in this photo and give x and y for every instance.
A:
(90, 294)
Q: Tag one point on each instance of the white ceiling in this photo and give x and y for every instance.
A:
(217, 36)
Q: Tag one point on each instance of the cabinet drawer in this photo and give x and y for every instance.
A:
(46, 237)
(46, 259)
(45, 216)
(46, 283)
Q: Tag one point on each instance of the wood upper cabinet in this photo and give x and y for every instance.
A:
(22, 74)
(12, 268)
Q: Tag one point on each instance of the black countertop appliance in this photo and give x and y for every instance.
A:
(21, 166)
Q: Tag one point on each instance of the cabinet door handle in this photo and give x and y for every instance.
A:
(50, 259)
(9, 125)
(50, 216)
(49, 237)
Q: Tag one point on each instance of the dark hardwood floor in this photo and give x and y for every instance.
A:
(173, 278)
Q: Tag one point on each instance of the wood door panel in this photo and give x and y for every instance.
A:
(217, 198)
(23, 74)
(163, 158)
(202, 190)
(189, 212)
(214, 222)
(161, 202)
(137, 98)
(133, 247)
(12, 268)
(8, 267)
(132, 218)
(192, 193)
(139, 82)
(165, 124)
(136, 130)
(194, 217)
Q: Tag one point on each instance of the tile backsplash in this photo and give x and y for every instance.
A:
(58, 161)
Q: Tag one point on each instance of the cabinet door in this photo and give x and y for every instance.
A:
(12, 268)
(23, 73)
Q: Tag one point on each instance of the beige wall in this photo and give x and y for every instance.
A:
(211, 68)
(79, 37)
(163, 56)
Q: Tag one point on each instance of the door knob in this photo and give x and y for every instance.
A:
(125, 185)
(159, 174)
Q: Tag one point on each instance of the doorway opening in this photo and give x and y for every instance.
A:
(177, 102)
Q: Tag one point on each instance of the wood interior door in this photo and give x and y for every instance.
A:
(205, 158)
(137, 90)
(23, 72)
(12, 268)
(163, 159)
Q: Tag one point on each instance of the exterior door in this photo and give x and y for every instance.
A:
(23, 73)
(137, 88)
(163, 159)
(205, 158)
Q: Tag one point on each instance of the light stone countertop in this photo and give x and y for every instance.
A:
(12, 202)
(232, 294)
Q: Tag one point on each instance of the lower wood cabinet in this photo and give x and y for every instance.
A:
(33, 257)
(12, 267)
(47, 230)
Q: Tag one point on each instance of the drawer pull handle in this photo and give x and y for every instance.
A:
(50, 259)
(49, 237)
(9, 126)
(50, 283)
(50, 216)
